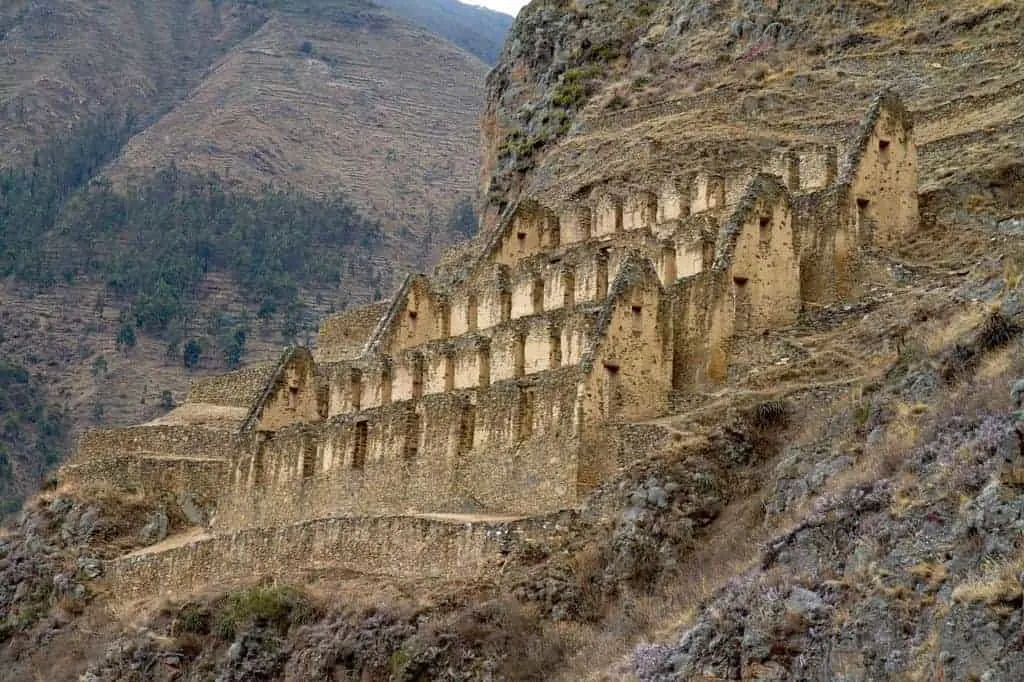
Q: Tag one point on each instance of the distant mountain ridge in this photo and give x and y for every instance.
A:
(477, 30)
(308, 152)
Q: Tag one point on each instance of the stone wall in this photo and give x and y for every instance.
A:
(156, 461)
(291, 395)
(764, 270)
(401, 546)
(156, 441)
(828, 248)
(818, 168)
(488, 448)
(883, 177)
(629, 371)
(235, 389)
(343, 336)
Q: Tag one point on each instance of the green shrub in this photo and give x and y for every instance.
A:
(192, 353)
(125, 338)
(277, 607)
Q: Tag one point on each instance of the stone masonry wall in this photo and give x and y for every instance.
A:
(343, 336)
(235, 389)
(884, 186)
(156, 461)
(401, 546)
(506, 448)
(828, 253)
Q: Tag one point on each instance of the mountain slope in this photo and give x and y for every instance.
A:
(872, 529)
(66, 59)
(613, 91)
(355, 102)
(217, 175)
(478, 30)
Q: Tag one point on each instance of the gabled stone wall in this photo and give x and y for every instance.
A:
(485, 449)
(235, 389)
(344, 336)
(518, 381)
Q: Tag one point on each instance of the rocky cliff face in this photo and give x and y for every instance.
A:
(590, 91)
(870, 530)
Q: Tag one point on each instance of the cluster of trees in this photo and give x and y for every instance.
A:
(156, 242)
(33, 434)
(153, 244)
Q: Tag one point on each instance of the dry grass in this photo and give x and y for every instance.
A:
(998, 583)
(602, 652)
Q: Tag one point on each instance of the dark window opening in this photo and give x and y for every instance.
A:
(538, 296)
(471, 313)
(637, 315)
(602, 275)
(467, 429)
(385, 387)
(308, 460)
(569, 289)
(293, 397)
(356, 390)
(765, 227)
(519, 355)
(526, 401)
(611, 391)
(506, 306)
(555, 359)
(359, 445)
(485, 367)
(417, 379)
(863, 219)
(412, 436)
(449, 372)
(742, 311)
(445, 322)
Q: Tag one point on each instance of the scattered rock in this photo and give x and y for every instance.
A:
(155, 529)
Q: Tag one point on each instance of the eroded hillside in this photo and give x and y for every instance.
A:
(846, 503)
(361, 103)
(590, 91)
(191, 175)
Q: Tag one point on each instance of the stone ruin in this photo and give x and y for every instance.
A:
(427, 432)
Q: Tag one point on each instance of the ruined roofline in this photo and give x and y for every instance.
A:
(398, 301)
(634, 269)
(268, 388)
(762, 186)
(885, 101)
(209, 390)
(493, 241)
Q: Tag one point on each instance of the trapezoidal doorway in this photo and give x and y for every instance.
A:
(742, 313)
(612, 398)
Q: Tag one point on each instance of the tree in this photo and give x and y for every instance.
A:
(192, 353)
(463, 220)
(166, 399)
(232, 346)
(294, 321)
(99, 366)
(125, 337)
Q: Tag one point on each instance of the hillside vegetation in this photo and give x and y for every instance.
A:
(847, 504)
(185, 186)
(33, 434)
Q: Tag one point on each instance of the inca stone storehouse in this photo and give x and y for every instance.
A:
(477, 407)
